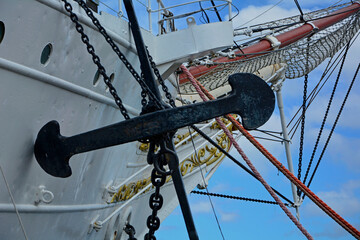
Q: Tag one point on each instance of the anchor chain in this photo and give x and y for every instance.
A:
(155, 202)
(140, 79)
(130, 230)
(91, 50)
(238, 198)
(158, 179)
(145, 91)
(160, 80)
(302, 132)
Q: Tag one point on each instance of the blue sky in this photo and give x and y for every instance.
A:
(337, 181)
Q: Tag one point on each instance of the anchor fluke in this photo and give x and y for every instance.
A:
(50, 151)
(257, 99)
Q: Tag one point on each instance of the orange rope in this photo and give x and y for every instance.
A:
(342, 222)
(248, 162)
(321, 204)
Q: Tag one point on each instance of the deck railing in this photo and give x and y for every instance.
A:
(166, 15)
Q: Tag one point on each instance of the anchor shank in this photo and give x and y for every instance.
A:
(250, 97)
(145, 126)
(173, 162)
(141, 50)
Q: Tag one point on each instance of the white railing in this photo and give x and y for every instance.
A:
(167, 14)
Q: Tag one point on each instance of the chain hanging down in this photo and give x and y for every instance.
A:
(167, 149)
(130, 230)
(158, 179)
(161, 80)
(139, 78)
(96, 59)
(303, 116)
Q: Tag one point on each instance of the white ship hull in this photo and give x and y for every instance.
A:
(63, 88)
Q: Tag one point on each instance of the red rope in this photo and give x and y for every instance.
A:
(196, 84)
(321, 204)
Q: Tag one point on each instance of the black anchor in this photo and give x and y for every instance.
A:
(250, 97)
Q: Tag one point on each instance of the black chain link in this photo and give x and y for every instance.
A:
(158, 179)
(302, 132)
(145, 89)
(155, 203)
(160, 80)
(237, 198)
(96, 59)
(130, 230)
(139, 79)
(324, 119)
(158, 175)
(338, 115)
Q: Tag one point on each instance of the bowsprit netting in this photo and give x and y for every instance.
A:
(322, 44)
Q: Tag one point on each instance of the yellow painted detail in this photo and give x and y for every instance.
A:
(144, 147)
(206, 155)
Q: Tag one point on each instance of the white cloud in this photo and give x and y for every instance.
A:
(331, 231)
(349, 116)
(341, 150)
(220, 187)
(318, 4)
(257, 158)
(351, 113)
(228, 217)
(344, 201)
(251, 12)
(201, 207)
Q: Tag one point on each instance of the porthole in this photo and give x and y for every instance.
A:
(45, 54)
(112, 77)
(2, 31)
(96, 78)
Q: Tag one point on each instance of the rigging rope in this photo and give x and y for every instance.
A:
(260, 14)
(216, 11)
(207, 190)
(248, 162)
(324, 43)
(301, 12)
(321, 204)
(333, 127)
(342, 222)
(14, 204)
(203, 12)
(201, 133)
